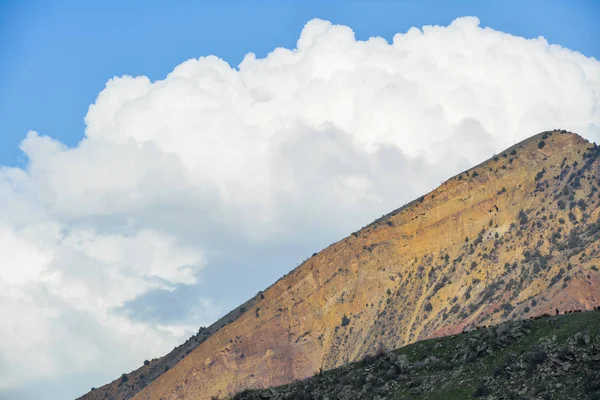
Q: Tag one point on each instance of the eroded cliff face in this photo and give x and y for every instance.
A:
(515, 236)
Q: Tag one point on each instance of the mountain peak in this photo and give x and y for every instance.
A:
(513, 237)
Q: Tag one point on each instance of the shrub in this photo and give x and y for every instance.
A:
(540, 174)
(507, 307)
(523, 217)
(345, 320)
(124, 378)
(574, 240)
(497, 372)
(418, 381)
(146, 362)
(541, 144)
(428, 307)
(536, 358)
(359, 382)
(481, 391)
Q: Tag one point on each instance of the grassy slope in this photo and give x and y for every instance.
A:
(470, 378)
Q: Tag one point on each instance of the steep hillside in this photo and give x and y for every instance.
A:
(516, 236)
(548, 358)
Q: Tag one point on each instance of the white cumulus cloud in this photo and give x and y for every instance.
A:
(301, 146)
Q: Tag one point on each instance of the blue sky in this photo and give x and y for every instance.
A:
(173, 212)
(56, 56)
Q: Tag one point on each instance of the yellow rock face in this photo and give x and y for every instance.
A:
(514, 237)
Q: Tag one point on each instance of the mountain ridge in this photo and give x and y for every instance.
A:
(330, 317)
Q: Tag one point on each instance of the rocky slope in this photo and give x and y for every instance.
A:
(548, 358)
(515, 236)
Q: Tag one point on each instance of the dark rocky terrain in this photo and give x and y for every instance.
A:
(552, 357)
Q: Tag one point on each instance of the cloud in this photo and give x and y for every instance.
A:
(296, 149)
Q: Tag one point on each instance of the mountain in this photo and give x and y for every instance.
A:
(546, 358)
(514, 237)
